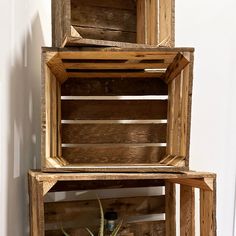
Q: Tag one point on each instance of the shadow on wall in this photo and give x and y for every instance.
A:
(24, 123)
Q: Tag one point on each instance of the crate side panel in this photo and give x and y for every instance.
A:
(110, 20)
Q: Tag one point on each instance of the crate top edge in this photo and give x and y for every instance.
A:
(159, 49)
(43, 176)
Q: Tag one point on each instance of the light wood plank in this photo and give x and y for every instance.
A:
(170, 209)
(187, 211)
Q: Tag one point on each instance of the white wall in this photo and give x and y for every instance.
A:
(209, 26)
(25, 26)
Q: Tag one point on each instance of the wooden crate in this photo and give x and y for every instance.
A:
(129, 23)
(116, 110)
(47, 214)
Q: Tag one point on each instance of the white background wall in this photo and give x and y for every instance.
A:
(209, 26)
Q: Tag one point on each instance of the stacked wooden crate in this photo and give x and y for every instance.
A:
(116, 112)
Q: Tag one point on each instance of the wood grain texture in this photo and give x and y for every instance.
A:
(113, 133)
(208, 212)
(153, 228)
(113, 154)
(83, 212)
(36, 209)
(115, 110)
(104, 20)
(166, 22)
(170, 209)
(61, 21)
(113, 86)
(187, 211)
(109, 184)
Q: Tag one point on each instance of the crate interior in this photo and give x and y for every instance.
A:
(105, 20)
(70, 205)
(112, 108)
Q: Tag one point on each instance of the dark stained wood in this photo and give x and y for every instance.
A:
(116, 109)
(170, 194)
(113, 87)
(61, 21)
(80, 210)
(109, 184)
(113, 133)
(153, 228)
(103, 34)
(91, 16)
(113, 154)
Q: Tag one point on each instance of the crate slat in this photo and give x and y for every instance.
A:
(113, 133)
(113, 154)
(113, 87)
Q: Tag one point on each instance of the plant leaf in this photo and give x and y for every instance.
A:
(89, 231)
(64, 232)
(116, 230)
(101, 230)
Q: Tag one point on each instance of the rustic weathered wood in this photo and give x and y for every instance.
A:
(61, 21)
(154, 228)
(115, 24)
(113, 86)
(75, 214)
(113, 133)
(82, 211)
(167, 23)
(108, 184)
(205, 183)
(187, 211)
(36, 210)
(208, 212)
(96, 100)
(170, 204)
(179, 112)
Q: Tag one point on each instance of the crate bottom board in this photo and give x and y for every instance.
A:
(116, 168)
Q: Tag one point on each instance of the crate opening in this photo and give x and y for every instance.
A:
(110, 110)
(118, 23)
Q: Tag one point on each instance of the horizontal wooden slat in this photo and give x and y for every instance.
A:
(115, 74)
(120, 55)
(105, 109)
(115, 66)
(81, 210)
(152, 228)
(106, 34)
(103, 17)
(116, 87)
(109, 184)
(129, 4)
(113, 133)
(113, 154)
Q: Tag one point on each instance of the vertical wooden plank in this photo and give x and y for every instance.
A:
(179, 112)
(187, 211)
(186, 105)
(61, 21)
(141, 21)
(59, 149)
(153, 25)
(53, 111)
(170, 118)
(166, 23)
(170, 209)
(208, 212)
(36, 207)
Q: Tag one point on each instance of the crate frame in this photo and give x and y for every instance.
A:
(41, 183)
(178, 76)
(159, 32)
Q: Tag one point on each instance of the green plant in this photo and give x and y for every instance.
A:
(102, 221)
